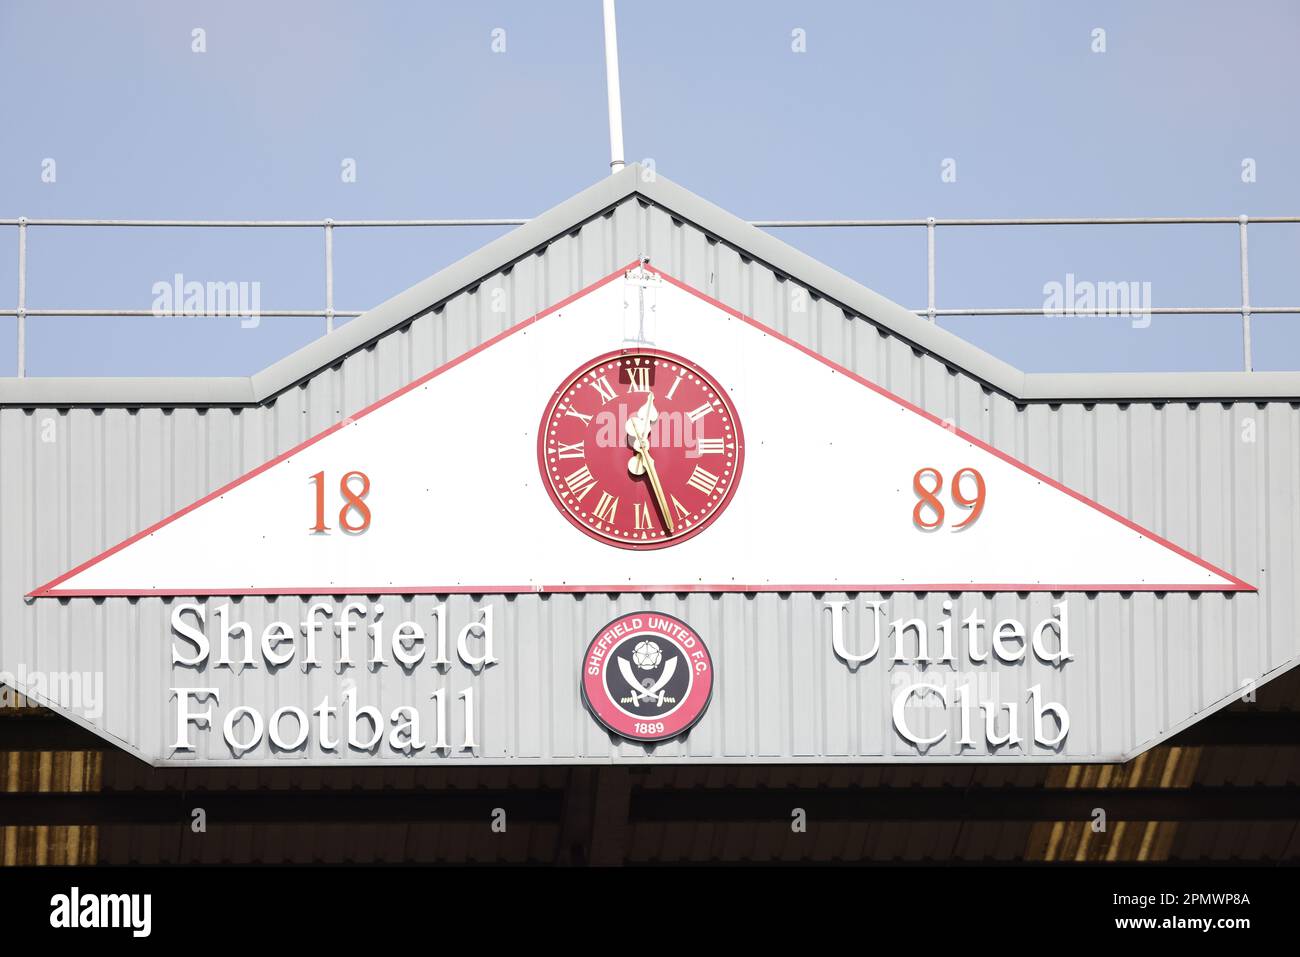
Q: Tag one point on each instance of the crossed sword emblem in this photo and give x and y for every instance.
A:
(653, 691)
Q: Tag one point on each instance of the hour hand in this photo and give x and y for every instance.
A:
(638, 425)
(638, 430)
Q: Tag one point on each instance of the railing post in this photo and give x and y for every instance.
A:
(1245, 296)
(22, 296)
(329, 276)
(929, 267)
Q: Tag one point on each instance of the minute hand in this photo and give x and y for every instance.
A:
(643, 450)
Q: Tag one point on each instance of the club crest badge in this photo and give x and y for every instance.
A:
(647, 676)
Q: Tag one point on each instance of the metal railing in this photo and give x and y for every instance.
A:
(931, 224)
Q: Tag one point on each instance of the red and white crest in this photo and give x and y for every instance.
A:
(647, 676)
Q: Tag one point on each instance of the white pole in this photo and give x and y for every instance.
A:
(611, 85)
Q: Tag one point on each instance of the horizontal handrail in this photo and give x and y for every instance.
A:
(339, 314)
(258, 223)
(930, 224)
(1056, 221)
(761, 223)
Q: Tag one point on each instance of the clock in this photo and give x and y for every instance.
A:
(640, 449)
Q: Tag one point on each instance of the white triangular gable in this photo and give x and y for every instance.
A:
(825, 501)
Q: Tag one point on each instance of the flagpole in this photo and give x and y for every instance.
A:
(612, 88)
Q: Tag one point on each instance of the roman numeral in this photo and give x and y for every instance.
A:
(643, 518)
(640, 379)
(606, 507)
(699, 413)
(682, 512)
(581, 482)
(606, 390)
(704, 480)
(586, 419)
(709, 446)
(673, 387)
(573, 451)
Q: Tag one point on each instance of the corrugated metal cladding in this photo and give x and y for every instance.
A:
(780, 694)
(1219, 478)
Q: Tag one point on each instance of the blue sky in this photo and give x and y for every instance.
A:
(140, 126)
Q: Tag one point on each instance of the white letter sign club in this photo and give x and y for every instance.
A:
(392, 588)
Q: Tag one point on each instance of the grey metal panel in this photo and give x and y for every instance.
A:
(1114, 386)
(783, 698)
(56, 391)
(1219, 478)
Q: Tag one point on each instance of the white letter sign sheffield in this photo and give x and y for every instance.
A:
(638, 526)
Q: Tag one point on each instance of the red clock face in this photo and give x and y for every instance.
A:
(640, 449)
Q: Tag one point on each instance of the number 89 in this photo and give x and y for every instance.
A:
(928, 482)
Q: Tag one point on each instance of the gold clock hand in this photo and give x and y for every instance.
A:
(658, 490)
(643, 452)
(646, 416)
